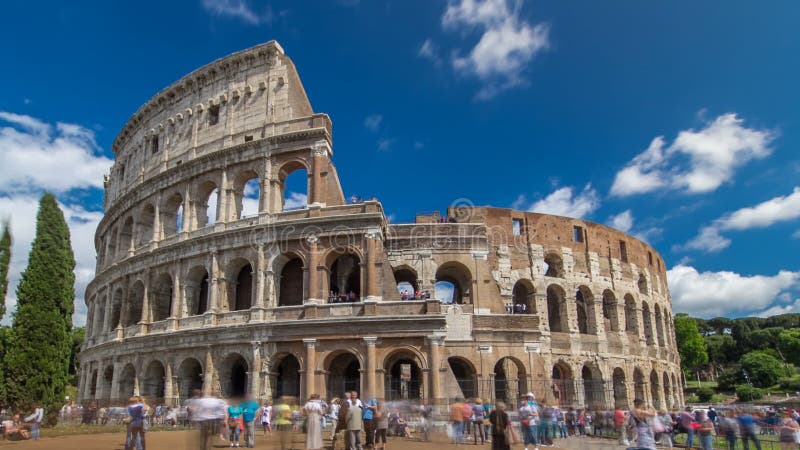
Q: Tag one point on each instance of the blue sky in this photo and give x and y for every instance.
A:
(677, 121)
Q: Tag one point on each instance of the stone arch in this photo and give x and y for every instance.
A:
(126, 241)
(642, 284)
(344, 373)
(100, 314)
(190, 377)
(460, 277)
(406, 279)
(127, 381)
(197, 291)
(286, 373)
(555, 265)
(659, 325)
(289, 268)
(294, 200)
(403, 375)
(107, 380)
(144, 225)
(133, 309)
(116, 309)
(563, 387)
(647, 323)
(510, 380)
(344, 268)
(234, 373)
(620, 389)
(584, 306)
(161, 297)
(556, 309)
(593, 387)
(247, 193)
(667, 391)
(207, 206)
(523, 297)
(93, 383)
(241, 284)
(610, 317)
(465, 376)
(153, 382)
(111, 241)
(631, 320)
(655, 390)
(171, 213)
(639, 385)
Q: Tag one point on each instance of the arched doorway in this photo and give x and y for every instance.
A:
(294, 186)
(556, 316)
(108, 377)
(620, 389)
(161, 297)
(638, 385)
(593, 388)
(406, 279)
(510, 380)
(287, 377)
(234, 376)
(554, 266)
(610, 311)
(197, 291)
(93, 385)
(345, 279)
(403, 377)
(190, 377)
(153, 386)
(344, 375)
(290, 288)
(631, 322)
(454, 283)
(523, 299)
(126, 384)
(563, 388)
(133, 313)
(241, 289)
(655, 390)
(464, 376)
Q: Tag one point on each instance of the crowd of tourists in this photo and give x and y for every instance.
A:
(15, 427)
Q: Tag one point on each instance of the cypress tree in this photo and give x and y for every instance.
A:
(5, 262)
(37, 362)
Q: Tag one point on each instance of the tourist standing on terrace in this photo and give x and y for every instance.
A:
(250, 409)
(501, 424)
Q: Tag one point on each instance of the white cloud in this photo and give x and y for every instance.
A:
(430, 51)
(386, 144)
(34, 154)
(778, 209)
(622, 221)
(237, 9)
(696, 161)
(373, 122)
(796, 234)
(21, 210)
(724, 293)
(295, 200)
(506, 47)
(564, 202)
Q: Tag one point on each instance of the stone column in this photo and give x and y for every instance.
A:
(255, 371)
(177, 309)
(213, 289)
(107, 313)
(188, 213)
(314, 295)
(169, 391)
(146, 313)
(157, 235)
(261, 268)
(310, 369)
(82, 385)
(101, 393)
(436, 343)
(319, 156)
(373, 238)
(371, 341)
(208, 373)
(115, 383)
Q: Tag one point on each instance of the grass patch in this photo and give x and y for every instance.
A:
(71, 430)
(698, 384)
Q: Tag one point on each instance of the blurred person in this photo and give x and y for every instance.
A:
(747, 428)
(313, 411)
(686, 419)
(478, 414)
(354, 400)
(381, 425)
(500, 425)
(546, 421)
(664, 437)
(136, 412)
(282, 418)
(644, 433)
(250, 410)
(89, 414)
(266, 417)
(706, 431)
(333, 414)
(619, 426)
(341, 424)
(368, 416)
(35, 420)
(788, 429)
(425, 412)
(529, 436)
(205, 412)
(729, 428)
(234, 421)
(354, 423)
(13, 430)
(457, 420)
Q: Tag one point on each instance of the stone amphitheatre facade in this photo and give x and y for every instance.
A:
(191, 293)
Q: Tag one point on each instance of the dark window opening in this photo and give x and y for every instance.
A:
(248, 138)
(623, 251)
(154, 144)
(650, 258)
(516, 227)
(213, 115)
(577, 234)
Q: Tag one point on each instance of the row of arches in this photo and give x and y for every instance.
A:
(554, 267)
(212, 199)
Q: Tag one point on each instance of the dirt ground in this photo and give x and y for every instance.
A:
(185, 440)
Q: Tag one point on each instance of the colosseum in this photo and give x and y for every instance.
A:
(209, 278)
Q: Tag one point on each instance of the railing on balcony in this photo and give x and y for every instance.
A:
(233, 317)
(191, 322)
(158, 327)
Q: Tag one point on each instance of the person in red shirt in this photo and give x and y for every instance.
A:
(619, 425)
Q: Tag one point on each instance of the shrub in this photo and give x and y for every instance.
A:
(729, 379)
(790, 384)
(747, 393)
(705, 394)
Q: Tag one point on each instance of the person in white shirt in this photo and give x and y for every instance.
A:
(36, 421)
(266, 417)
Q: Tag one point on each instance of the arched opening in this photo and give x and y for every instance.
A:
(665, 386)
(522, 297)
(294, 186)
(190, 377)
(100, 315)
(172, 215)
(638, 385)
(207, 206)
(510, 380)
(116, 310)
(631, 322)
(460, 279)
(344, 375)
(241, 290)
(659, 326)
(563, 387)
(555, 265)
(464, 376)
(345, 279)
(290, 288)
(655, 390)
(647, 322)
(161, 298)
(556, 316)
(407, 285)
(133, 311)
(111, 252)
(197, 291)
(234, 376)
(153, 384)
(247, 194)
(585, 310)
(403, 377)
(126, 237)
(126, 383)
(593, 388)
(144, 225)
(610, 311)
(620, 389)
(108, 377)
(287, 377)
(93, 384)
(642, 283)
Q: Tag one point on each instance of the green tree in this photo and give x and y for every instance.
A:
(690, 344)
(5, 262)
(721, 349)
(763, 368)
(789, 344)
(38, 365)
(78, 335)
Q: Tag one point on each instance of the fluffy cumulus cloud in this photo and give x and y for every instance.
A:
(730, 294)
(697, 161)
(564, 202)
(373, 122)
(622, 221)
(237, 9)
(507, 44)
(33, 155)
(778, 209)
